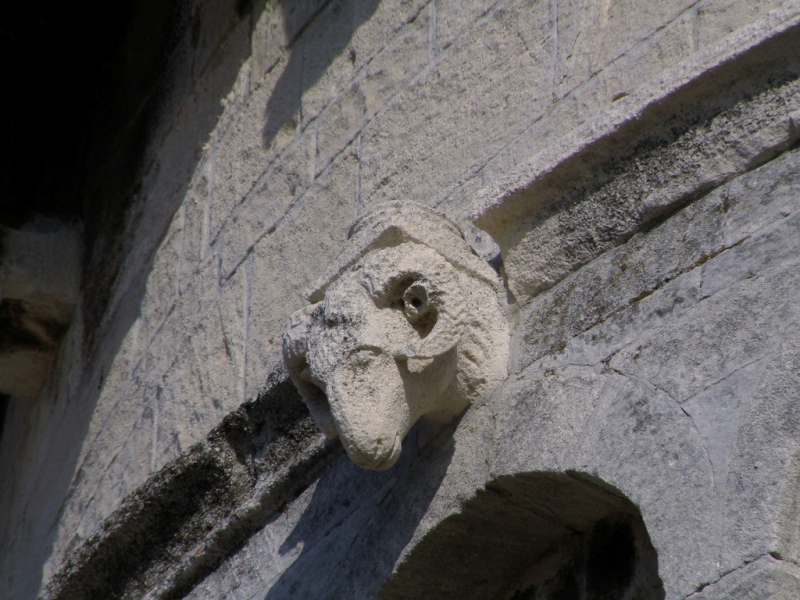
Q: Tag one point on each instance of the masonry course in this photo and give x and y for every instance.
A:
(249, 181)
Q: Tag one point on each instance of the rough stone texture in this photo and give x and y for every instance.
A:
(576, 209)
(765, 577)
(270, 133)
(175, 529)
(694, 357)
(680, 394)
(405, 324)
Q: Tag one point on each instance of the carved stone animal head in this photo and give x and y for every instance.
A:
(406, 324)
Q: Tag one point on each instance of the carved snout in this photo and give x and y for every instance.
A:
(367, 399)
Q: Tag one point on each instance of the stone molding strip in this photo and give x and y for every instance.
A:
(202, 507)
(518, 210)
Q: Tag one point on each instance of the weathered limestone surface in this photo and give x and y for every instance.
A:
(702, 357)
(285, 122)
(406, 324)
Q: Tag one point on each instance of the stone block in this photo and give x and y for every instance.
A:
(288, 259)
(726, 335)
(286, 180)
(609, 284)
(339, 125)
(246, 571)
(402, 58)
(760, 513)
(660, 50)
(451, 121)
(717, 18)
(191, 220)
(104, 445)
(765, 577)
(382, 24)
(559, 417)
(386, 75)
(201, 291)
(328, 65)
(265, 126)
(127, 465)
(269, 39)
(344, 40)
(453, 18)
(161, 290)
(592, 35)
(194, 386)
(714, 340)
(559, 238)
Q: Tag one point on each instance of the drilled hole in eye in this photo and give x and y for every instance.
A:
(416, 298)
(399, 287)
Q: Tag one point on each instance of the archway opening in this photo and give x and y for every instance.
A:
(535, 536)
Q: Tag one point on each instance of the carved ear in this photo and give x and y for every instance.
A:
(433, 311)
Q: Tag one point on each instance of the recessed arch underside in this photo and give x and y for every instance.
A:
(535, 536)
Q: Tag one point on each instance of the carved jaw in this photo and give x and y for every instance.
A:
(295, 356)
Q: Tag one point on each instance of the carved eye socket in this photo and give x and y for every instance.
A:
(411, 296)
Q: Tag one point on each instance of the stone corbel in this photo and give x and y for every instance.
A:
(406, 324)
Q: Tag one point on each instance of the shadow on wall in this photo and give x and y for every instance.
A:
(45, 453)
(334, 23)
(535, 536)
(374, 515)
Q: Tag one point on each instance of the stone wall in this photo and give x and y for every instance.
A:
(660, 356)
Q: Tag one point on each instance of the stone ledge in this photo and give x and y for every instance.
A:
(537, 213)
(186, 519)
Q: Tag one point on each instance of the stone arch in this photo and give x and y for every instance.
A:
(535, 536)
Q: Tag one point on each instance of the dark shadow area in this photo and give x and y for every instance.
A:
(54, 57)
(535, 536)
(90, 88)
(358, 522)
(329, 25)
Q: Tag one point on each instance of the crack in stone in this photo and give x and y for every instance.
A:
(647, 382)
(702, 587)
